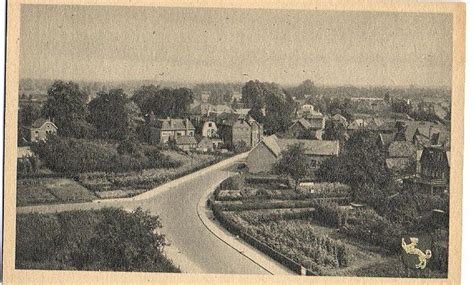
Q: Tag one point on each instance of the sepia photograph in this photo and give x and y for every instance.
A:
(236, 140)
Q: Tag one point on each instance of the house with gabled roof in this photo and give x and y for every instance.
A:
(302, 128)
(267, 152)
(169, 129)
(40, 130)
(234, 128)
(401, 158)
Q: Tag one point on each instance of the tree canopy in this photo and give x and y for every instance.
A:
(163, 102)
(334, 130)
(114, 115)
(269, 105)
(66, 106)
(361, 163)
(293, 162)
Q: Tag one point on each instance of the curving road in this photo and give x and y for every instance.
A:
(193, 247)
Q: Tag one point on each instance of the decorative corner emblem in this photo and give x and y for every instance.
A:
(413, 250)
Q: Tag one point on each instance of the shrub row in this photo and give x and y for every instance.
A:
(266, 179)
(277, 215)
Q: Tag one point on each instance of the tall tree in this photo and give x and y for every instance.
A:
(163, 102)
(362, 163)
(335, 131)
(114, 116)
(269, 105)
(294, 163)
(66, 106)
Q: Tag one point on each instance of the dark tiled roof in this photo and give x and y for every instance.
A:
(402, 149)
(40, 122)
(172, 124)
(185, 140)
(312, 147)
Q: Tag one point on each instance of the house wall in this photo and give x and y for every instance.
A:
(241, 131)
(209, 129)
(42, 132)
(256, 135)
(295, 130)
(260, 159)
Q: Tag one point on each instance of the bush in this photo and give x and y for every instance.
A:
(68, 155)
(367, 225)
(330, 214)
(105, 240)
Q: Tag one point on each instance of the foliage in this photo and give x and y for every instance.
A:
(66, 106)
(330, 214)
(367, 225)
(232, 183)
(106, 240)
(270, 97)
(114, 115)
(130, 147)
(401, 106)
(163, 102)
(363, 162)
(334, 131)
(68, 155)
(240, 147)
(28, 114)
(293, 162)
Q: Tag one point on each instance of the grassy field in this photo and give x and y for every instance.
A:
(51, 190)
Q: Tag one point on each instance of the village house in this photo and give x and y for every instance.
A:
(166, 130)
(235, 128)
(186, 143)
(209, 129)
(262, 158)
(207, 144)
(27, 161)
(435, 163)
(340, 119)
(423, 134)
(401, 158)
(40, 130)
(303, 129)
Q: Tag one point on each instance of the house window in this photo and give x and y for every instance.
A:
(209, 125)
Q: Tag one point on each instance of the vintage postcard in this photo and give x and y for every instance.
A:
(236, 142)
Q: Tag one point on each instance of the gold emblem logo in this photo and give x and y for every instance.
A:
(412, 249)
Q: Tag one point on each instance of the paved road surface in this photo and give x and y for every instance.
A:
(194, 247)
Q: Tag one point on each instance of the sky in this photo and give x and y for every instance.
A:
(99, 43)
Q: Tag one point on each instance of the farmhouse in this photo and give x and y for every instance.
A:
(40, 129)
(165, 130)
(235, 128)
(435, 164)
(266, 153)
(302, 128)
